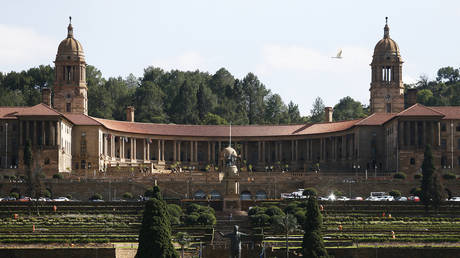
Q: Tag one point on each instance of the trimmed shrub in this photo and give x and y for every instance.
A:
(191, 219)
(257, 210)
(449, 176)
(14, 195)
(58, 176)
(418, 176)
(206, 219)
(128, 196)
(260, 220)
(417, 191)
(395, 193)
(337, 193)
(274, 210)
(47, 193)
(399, 175)
(310, 191)
(96, 196)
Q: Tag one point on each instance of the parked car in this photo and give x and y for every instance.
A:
(401, 199)
(61, 199)
(387, 198)
(343, 198)
(322, 198)
(414, 198)
(9, 198)
(373, 198)
(357, 198)
(454, 199)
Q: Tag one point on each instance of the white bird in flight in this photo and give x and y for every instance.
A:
(339, 55)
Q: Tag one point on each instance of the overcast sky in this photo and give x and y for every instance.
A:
(287, 44)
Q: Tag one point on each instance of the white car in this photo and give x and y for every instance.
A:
(454, 199)
(61, 199)
(343, 198)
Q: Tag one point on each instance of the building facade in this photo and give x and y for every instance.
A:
(65, 139)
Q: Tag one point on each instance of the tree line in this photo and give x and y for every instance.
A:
(195, 97)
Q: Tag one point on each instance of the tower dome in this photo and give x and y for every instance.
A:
(70, 48)
(386, 47)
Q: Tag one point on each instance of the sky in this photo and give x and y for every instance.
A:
(287, 44)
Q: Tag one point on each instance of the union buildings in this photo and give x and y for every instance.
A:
(65, 139)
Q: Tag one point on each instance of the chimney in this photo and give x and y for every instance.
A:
(46, 96)
(328, 114)
(130, 114)
(411, 97)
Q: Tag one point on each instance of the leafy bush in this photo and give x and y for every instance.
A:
(417, 191)
(449, 176)
(191, 219)
(310, 191)
(418, 176)
(206, 219)
(69, 196)
(395, 193)
(96, 196)
(260, 219)
(175, 213)
(58, 176)
(274, 210)
(14, 195)
(399, 175)
(47, 193)
(256, 210)
(337, 193)
(128, 196)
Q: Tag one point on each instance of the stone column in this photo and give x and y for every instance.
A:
(321, 152)
(263, 152)
(35, 142)
(209, 152)
(162, 150)
(416, 134)
(213, 151)
(281, 151)
(344, 147)
(179, 154)
(148, 149)
(112, 146)
(424, 141)
(246, 150)
(144, 149)
(196, 151)
(122, 147)
(174, 150)
(259, 151)
(43, 133)
(106, 145)
(159, 150)
(58, 133)
(438, 134)
(296, 150)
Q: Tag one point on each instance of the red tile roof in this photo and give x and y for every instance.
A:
(223, 131)
(38, 110)
(449, 112)
(10, 112)
(419, 110)
(80, 119)
(376, 119)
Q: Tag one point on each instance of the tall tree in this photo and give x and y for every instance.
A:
(149, 103)
(255, 93)
(432, 193)
(317, 111)
(313, 244)
(155, 233)
(294, 113)
(275, 110)
(348, 109)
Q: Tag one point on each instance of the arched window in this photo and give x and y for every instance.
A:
(245, 195)
(199, 195)
(261, 195)
(215, 195)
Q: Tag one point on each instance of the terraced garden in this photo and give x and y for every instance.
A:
(344, 224)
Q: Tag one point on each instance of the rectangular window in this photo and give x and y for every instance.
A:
(388, 107)
(457, 128)
(68, 107)
(458, 144)
(443, 127)
(443, 144)
(83, 164)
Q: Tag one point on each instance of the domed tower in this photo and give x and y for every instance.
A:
(70, 91)
(387, 89)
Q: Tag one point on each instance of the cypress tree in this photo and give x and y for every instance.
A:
(155, 234)
(427, 177)
(313, 244)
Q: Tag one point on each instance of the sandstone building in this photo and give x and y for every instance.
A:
(65, 139)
